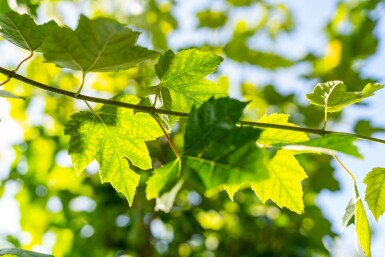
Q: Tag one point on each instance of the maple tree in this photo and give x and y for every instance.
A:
(212, 144)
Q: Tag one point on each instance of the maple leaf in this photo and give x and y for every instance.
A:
(115, 137)
(182, 78)
(283, 185)
(375, 191)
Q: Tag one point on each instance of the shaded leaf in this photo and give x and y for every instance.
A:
(375, 191)
(350, 212)
(162, 178)
(115, 138)
(284, 183)
(219, 151)
(182, 77)
(96, 45)
(21, 30)
(272, 136)
(333, 96)
(166, 200)
(22, 253)
(365, 128)
(211, 19)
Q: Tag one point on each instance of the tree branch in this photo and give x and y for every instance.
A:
(152, 110)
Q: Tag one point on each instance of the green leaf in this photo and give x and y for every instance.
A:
(211, 19)
(7, 94)
(96, 45)
(272, 136)
(21, 30)
(375, 191)
(166, 200)
(328, 144)
(115, 138)
(22, 253)
(162, 178)
(333, 96)
(362, 225)
(218, 150)
(284, 183)
(350, 212)
(4, 7)
(182, 77)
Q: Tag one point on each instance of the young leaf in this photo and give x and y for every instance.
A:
(349, 215)
(272, 136)
(21, 30)
(113, 136)
(96, 45)
(327, 144)
(362, 225)
(284, 183)
(163, 178)
(21, 253)
(166, 200)
(375, 191)
(182, 77)
(219, 151)
(333, 96)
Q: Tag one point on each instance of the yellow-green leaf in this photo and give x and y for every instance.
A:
(182, 78)
(272, 136)
(362, 226)
(284, 183)
(375, 191)
(333, 96)
(115, 137)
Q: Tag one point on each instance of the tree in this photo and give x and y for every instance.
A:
(228, 177)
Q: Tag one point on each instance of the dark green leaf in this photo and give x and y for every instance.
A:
(21, 30)
(218, 150)
(96, 45)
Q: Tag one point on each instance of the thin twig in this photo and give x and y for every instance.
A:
(167, 136)
(153, 110)
(344, 167)
(15, 70)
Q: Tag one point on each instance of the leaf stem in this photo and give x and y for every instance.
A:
(82, 84)
(167, 136)
(156, 95)
(344, 167)
(152, 110)
(325, 119)
(16, 69)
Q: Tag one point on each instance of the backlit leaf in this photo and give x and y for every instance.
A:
(284, 183)
(272, 136)
(182, 78)
(96, 45)
(218, 150)
(21, 253)
(162, 178)
(21, 30)
(375, 191)
(333, 96)
(115, 138)
(362, 226)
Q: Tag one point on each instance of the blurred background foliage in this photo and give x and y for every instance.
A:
(78, 216)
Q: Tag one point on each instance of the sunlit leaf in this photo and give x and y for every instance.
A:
(375, 191)
(162, 178)
(96, 45)
(21, 253)
(272, 136)
(219, 151)
(21, 30)
(333, 96)
(182, 77)
(362, 225)
(115, 138)
(284, 183)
